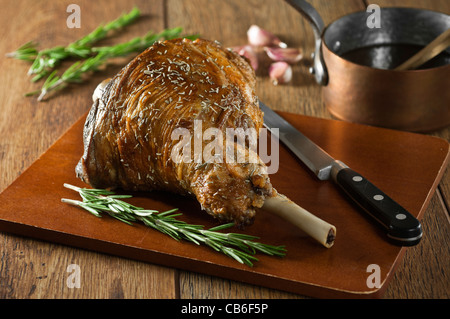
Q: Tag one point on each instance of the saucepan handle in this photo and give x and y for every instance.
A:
(317, 24)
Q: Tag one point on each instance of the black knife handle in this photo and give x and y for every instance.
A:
(402, 227)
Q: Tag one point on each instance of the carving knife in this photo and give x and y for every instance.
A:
(402, 228)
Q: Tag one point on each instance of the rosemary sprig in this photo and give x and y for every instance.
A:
(74, 73)
(241, 247)
(46, 60)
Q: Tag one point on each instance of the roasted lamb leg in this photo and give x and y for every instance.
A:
(177, 86)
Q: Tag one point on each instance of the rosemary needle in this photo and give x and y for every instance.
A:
(241, 247)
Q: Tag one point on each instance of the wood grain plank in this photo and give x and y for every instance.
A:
(195, 285)
(38, 270)
(31, 268)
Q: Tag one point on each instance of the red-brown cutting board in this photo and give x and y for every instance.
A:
(406, 166)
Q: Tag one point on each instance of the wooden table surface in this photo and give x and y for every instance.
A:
(32, 268)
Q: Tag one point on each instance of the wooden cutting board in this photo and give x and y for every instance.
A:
(407, 166)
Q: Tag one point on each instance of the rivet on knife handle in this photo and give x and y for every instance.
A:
(402, 227)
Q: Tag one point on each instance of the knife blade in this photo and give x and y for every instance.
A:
(401, 227)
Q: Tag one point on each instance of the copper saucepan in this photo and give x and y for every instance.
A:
(354, 64)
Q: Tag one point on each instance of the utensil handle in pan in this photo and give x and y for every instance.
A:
(317, 24)
(402, 227)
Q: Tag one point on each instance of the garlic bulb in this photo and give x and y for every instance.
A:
(280, 72)
(260, 37)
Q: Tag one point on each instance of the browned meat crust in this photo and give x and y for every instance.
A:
(128, 133)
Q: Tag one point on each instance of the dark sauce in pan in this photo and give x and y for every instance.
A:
(389, 56)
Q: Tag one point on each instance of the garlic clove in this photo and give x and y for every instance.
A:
(248, 52)
(260, 37)
(289, 55)
(280, 72)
